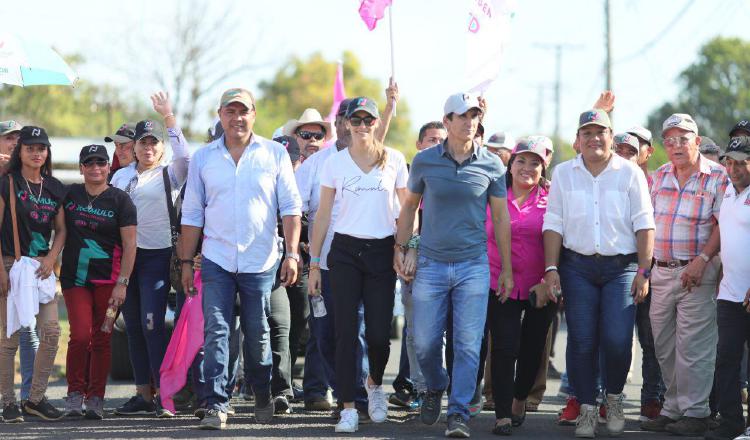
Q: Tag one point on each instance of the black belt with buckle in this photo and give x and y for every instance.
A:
(672, 263)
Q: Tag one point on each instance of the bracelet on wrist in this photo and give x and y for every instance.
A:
(187, 261)
(169, 115)
(314, 266)
(314, 260)
(401, 247)
(551, 268)
(413, 242)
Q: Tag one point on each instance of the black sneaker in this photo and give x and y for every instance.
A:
(457, 427)
(264, 408)
(43, 409)
(281, 405)
(200, 413)
(431, 406)
(400, 398)
(12, 413)
(161, 412)
(136, 406)
(724, 431)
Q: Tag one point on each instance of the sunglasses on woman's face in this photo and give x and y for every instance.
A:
(101, 163)
(357, 121)
(307, 135)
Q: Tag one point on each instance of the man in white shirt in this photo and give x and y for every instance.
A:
(236, 186)
(733, 302)
(599, 229)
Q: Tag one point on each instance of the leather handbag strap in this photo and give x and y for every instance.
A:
(13, 218)
(173, 228)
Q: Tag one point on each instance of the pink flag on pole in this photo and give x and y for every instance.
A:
(373, 10)
(338, 92)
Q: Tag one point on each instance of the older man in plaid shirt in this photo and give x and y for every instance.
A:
(686, 194)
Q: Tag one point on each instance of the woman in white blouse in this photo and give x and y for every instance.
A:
(146, 301)
(366, 179)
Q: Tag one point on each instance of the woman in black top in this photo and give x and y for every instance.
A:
(38, 198)
(96, 266)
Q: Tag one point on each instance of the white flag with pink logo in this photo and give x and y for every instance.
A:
(487, 33)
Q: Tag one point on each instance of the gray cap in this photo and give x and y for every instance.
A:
(709, 146)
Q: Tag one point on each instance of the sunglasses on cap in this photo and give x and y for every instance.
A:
(98, 162)
(357, 121)
(307, 135)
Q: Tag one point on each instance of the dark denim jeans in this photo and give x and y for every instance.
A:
(734, 332)
(653, 387)
(219, 290)
(600, 312)
(323, 332)
(143, 312)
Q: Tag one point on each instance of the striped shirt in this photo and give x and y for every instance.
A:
(686, 216)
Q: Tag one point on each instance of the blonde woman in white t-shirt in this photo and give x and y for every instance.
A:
(148, 286)
(366, 179)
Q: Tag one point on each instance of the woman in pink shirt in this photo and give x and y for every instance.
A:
(513, 337)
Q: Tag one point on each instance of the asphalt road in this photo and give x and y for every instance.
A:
(307, 425)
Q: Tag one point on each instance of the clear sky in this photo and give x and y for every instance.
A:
(429, 48)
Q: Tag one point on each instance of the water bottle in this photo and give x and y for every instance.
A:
(318, 306)
(109, 318)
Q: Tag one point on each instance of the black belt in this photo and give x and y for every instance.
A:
(672, 263)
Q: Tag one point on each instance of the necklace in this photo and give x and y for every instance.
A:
(91, 201)
(41, 185)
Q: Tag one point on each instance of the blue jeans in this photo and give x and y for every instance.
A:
(219, 290)
(143, 311)
(415, 373)
(600, 312)
(438, 286)
(323, 333)
(29, 344)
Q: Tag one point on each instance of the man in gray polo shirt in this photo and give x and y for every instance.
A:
(457, 179)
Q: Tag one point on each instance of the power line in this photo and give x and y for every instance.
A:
(648, 46)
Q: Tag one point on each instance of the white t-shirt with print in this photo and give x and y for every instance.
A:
(366, 200)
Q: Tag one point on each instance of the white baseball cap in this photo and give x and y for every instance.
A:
(461, 103)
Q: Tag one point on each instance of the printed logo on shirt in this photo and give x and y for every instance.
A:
(72, 206)
(351, 185)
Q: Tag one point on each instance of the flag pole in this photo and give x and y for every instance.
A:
(393, 62)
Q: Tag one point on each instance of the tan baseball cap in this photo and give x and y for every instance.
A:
(242, 96)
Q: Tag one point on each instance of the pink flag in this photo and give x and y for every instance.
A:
(338, 92)
(373, 10)
(338, 95)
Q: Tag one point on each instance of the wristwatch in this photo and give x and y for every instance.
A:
(123, 280)
(645, 272)
(704, 257)
(293, 256)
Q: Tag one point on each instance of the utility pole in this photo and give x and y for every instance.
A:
(558, 48)
(608, 42)
(539, 106)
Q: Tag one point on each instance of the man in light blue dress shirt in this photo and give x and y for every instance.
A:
(237, 185)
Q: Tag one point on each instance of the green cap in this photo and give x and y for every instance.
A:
(594, 116)
(7, 127)
(242, 96)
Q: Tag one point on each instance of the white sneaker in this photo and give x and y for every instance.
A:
(745, 436)
(586, 423)
(615, 415)
(348, 420)
(377, 406)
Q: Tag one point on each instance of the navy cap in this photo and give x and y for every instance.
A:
(362, 103)
(147, 128)
(93, 152)
(31, 135)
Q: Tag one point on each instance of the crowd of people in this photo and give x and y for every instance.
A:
(321, 225)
